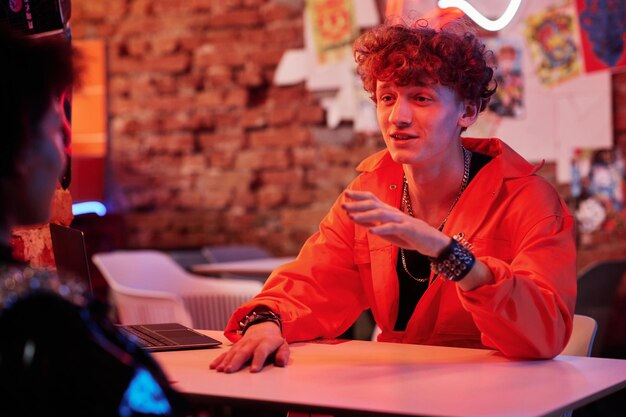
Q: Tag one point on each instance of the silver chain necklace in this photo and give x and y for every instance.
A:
(406, 203)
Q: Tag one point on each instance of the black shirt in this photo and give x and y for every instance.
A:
(419, 265)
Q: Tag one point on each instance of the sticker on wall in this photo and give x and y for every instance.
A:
(508, 101)
(552, 37)
(603, 33)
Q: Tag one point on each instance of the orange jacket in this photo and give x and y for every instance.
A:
(519, 228)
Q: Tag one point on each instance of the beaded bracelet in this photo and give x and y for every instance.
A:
(454, 262)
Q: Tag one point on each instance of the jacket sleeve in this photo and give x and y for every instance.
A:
(528, 311)
(319, 294)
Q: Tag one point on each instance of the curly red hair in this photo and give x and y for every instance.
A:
(424, 56)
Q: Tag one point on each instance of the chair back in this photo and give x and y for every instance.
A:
(583, 335)
(580, 342)
(149, 307)
(149, 285)
(134, 291)
(597, 295)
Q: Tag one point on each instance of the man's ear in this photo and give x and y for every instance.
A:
(469, 115)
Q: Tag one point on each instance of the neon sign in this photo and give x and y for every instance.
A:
(479, 18)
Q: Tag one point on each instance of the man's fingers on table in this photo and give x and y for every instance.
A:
(239, 348)
(224, 361)
(252, 350)
(238, 360)
(282, 355)
(260, 355)
(218, 360)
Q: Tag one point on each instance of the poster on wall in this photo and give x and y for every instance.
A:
(334, 26)
(508, 101)
(326, 63)
(552, 36)
(602, 33)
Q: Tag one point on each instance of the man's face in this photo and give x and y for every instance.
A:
(39, 169)
(420, 124)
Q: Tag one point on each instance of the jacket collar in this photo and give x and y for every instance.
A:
(515, 167)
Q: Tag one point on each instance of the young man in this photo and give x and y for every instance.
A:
(450, 241)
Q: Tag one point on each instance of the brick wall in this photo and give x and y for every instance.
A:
(203, 148)
(33, 244)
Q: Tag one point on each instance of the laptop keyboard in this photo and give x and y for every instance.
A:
(147, 338)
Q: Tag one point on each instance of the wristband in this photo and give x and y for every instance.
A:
(454, 262)
(257, 317)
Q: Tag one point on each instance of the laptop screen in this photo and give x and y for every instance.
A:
(70, 253)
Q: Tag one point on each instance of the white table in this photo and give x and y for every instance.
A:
(263, 266)
(370, 378)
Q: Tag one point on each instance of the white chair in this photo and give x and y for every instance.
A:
(583, 335)
(581, 341)
(149, 287)
(375, 333)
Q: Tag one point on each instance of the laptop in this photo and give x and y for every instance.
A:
(70, 254)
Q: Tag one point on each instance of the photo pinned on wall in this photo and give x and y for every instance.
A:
(508, 101)
(603, 33)
(597, 188)
(553, 40)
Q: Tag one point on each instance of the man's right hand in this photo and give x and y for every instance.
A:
(258, 343)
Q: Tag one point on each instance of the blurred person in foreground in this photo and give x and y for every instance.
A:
(449, 240)
(59, 354)
(34, 75)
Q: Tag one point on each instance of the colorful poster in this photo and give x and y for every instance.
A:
(553, 42)
(334, 28)
(508, 101)
(602, 33)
